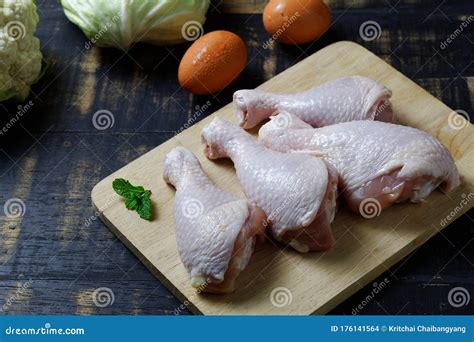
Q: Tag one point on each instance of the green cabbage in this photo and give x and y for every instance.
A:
(120, 23)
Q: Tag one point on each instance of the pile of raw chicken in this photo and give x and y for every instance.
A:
(335, 139)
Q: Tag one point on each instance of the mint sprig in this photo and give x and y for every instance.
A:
(136, 197)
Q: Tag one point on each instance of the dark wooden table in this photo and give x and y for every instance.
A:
(57, 254)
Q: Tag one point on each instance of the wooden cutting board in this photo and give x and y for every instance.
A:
(281, 281)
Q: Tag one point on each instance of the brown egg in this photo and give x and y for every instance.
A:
(212, 62)
(296, 21)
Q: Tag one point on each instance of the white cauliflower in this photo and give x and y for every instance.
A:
(20, 55)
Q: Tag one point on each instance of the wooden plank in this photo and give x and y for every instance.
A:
(67, 121)
(241, 6)
(257, 6)
(317, 281)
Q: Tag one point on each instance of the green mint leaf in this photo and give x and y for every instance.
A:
(132, 202)
(121, 186)
(124, 188)
(145, 209)
(136, 197)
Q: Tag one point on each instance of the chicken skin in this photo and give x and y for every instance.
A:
(215, 231)
(296, 192)
(375, 160)
(341, 100)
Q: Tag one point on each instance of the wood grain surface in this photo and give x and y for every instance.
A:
(53, 156)
(316, 282)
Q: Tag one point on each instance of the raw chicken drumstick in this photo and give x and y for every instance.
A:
(215, 231)
(296, 192)
(377, 162)
(341, 100)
